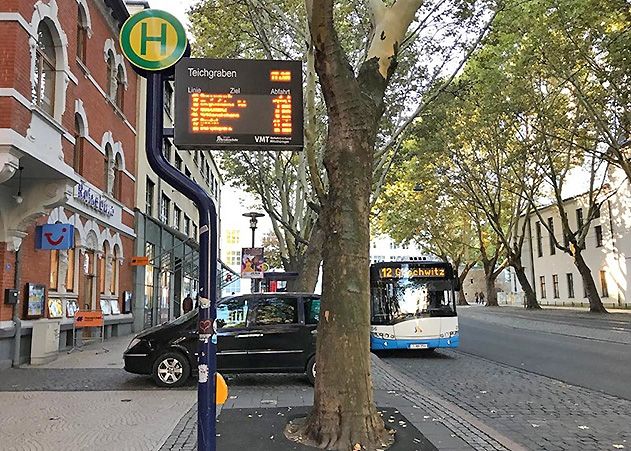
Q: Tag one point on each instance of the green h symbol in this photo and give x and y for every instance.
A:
(162, 39)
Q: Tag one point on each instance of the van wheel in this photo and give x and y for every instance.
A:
(171, 370)
(311, 370)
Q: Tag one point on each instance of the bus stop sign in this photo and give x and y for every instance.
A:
(153, 40)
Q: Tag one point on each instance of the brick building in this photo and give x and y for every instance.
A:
(67, 155)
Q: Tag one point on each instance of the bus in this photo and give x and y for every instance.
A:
(413, 305)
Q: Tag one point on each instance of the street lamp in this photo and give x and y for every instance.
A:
(254, 219)
(253, 215)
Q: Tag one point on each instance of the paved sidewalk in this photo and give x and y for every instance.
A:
(440, 422)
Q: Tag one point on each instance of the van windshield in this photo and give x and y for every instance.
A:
(184, 318)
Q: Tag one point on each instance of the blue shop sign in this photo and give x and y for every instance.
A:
(54, 237)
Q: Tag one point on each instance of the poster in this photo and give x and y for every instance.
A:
(106, 307)
(127, 302)
(252, 262)
(35, 300)
(114, 307)
(71, 308)
(55, 308)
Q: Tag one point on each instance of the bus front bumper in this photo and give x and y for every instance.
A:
(377, 344)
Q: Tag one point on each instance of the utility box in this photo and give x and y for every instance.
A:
(45, 341)
(11, 296)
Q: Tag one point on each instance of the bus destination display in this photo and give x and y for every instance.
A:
(238, 104)
(398, 272)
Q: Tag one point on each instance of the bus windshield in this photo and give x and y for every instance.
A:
(395, 300)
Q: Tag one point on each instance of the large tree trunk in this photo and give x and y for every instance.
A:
(462, 300)
(529, 293)
(491, 292)
(595, 304)
(344, 413)
(309, 265)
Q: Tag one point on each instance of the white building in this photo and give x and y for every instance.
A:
(383, 249)
(552, 272)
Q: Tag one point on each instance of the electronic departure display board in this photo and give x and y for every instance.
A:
(238, 104)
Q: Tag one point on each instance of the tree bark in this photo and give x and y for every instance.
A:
(308, 266)
(344, 413)
(462, 300)
(489, 283)
(595, 304)
(529, 292)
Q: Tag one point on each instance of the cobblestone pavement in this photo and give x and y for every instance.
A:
(539, 412)
(442, 423)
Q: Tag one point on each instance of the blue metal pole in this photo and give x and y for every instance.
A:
(207, 354)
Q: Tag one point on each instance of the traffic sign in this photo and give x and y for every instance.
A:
(153, 40)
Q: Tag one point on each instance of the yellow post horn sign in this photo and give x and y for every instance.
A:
(153, 40)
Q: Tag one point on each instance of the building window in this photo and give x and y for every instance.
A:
(207, 177)
(542, 283)
(70, 271)
(178, 161)
(599, 235)
(570, 285)
(555, 286)
(597, 212)
(233, 236)
(187, 172)
(82, 34)
(553, 248)
(53, 284)
(539, 244)
(579, 218)
(111, 75)
(196, 158)
(603, 284)
(102, 269)
(45, 64)
(119, 96)
(166, 149)
(233, 258)
(177, 217)
(108, 169)
(165, 208)
(187, 225)
(195, 233)
(117, 188)
(79, 140)
(114, 272)
(168, 99)
(149, 197)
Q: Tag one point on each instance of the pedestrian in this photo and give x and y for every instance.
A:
(477, 300)
(187, 304)
(482, 298)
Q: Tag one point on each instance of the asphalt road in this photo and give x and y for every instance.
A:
(594, 364)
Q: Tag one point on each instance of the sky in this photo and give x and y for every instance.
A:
(175, 7)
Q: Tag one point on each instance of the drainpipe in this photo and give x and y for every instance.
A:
(16, 313)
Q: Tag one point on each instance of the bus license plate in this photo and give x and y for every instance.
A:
(419, 346)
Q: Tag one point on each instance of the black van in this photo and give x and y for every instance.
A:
(258, 333)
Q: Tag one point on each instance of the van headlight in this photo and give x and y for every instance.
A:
(133, 343)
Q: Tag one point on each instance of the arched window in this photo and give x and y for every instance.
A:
(118, 172)
(120, 88)
(111, 74)
(114, 272)
(102, 269)
(79, 136)
(109, 171)
(53, 284)
(45, 65)
(82, 34)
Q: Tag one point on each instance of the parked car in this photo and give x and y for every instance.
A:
(258, 333)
